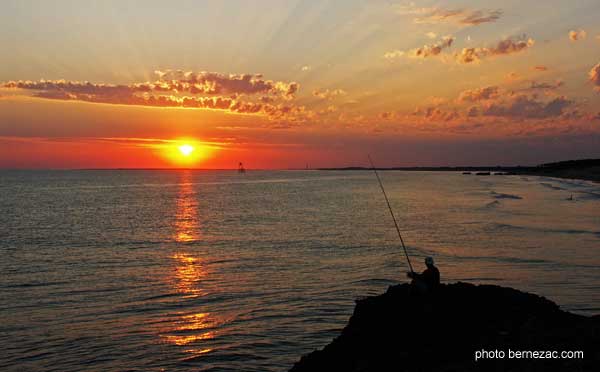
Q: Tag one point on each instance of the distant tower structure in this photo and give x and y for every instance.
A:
(241, 168)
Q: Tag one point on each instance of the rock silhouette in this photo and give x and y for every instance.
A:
(399, 331)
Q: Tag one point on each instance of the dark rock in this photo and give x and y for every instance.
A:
(442, 331)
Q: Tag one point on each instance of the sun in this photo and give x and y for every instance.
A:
(186, 150)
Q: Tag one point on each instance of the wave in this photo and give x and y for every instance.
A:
(588, 195)
(493, 204)
(504, 226)
(376, 281)
(551, 186)
(504, 259)
(528, 261)
(498, 195)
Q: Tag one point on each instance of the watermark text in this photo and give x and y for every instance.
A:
(527, 354)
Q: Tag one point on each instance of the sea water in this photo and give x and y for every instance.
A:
(220, 271)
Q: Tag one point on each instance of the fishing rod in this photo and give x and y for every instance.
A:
(392, 213)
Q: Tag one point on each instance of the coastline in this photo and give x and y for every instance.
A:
(586, 170)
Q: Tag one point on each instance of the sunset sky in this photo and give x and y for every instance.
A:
(283, 84)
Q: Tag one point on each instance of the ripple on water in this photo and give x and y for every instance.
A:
(207, 271)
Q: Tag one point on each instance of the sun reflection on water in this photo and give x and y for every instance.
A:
(190, 331)
(187, 226)
(188, 275)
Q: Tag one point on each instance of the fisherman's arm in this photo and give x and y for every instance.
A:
(413, 275)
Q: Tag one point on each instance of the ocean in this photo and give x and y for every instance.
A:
(183, 270)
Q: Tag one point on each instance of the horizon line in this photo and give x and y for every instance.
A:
(350, 167)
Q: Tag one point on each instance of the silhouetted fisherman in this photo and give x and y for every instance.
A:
(428, 280)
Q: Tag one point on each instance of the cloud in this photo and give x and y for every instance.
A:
(208, 83)
(466, 55)
(540, 68)
(77, 87)
(56, 94)
(425, 51)
(431, 35)
(242, 94)
(328, 110)
(435, 15)
(512, 76)
(480, 94)
(305, 68)
(387, 115)
(328, 94)
(394, 54)
(472, 111)
(545, 86)
(522, 106)
(223, 84)
(594, 76)
(437, 114)
(577, 35)
(504, 47)
(493, 103)
(432, 50)
(478, 17)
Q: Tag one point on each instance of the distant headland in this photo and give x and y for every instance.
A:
(585, 169)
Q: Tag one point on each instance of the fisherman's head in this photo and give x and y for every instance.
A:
(429, 261)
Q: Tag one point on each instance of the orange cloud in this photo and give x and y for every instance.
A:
(504, 47)
(206, 83)
(512, 76)
(437, 114)
(217, 83)
(424, 51)
(168, 91)
(388, 115)
(545, 86)
(577, 35)
(497, 103)
(475, 95)
(522, 106)
(594, 76)
(432, 50)
(540, 68)
(393, 54)
(328, 94)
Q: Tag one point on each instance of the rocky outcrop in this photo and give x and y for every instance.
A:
(451, 328)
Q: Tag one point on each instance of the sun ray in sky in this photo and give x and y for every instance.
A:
(335, 78)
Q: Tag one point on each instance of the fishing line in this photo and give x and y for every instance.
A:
(392, 213)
